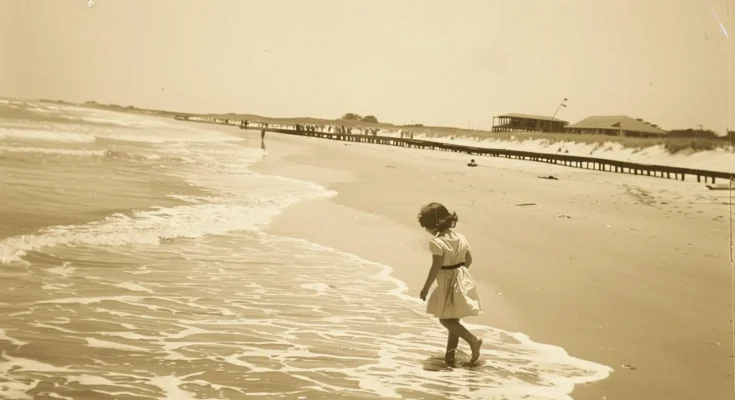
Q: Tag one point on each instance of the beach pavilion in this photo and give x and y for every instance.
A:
(527, 123)
(616, 125)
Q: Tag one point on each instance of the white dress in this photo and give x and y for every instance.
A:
(456, 294)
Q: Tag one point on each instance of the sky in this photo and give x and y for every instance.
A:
(432, 62)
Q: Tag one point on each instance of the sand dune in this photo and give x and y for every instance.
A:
(721, 159)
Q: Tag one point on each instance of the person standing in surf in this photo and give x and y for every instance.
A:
(455, 296)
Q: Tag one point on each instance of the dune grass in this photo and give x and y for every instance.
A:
(672, 145)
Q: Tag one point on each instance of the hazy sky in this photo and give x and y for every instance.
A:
(430, 62)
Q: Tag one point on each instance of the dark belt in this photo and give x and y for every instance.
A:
(453, 266)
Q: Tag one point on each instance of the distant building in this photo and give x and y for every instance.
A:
(527, 123)
(616, 125)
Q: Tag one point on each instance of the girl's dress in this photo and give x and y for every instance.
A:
(456, 294)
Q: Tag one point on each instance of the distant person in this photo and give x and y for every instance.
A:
(456, 294)
(472, 163)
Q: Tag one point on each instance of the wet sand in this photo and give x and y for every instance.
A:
(616, 269)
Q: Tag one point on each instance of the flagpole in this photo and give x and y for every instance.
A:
(556, 112)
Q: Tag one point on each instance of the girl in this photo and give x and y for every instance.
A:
(456, 295)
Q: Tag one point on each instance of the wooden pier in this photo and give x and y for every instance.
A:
(601, 164)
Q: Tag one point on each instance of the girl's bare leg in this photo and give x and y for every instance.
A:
(455, 327)
(452, 343)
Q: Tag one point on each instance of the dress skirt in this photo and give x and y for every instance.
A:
(455, 295)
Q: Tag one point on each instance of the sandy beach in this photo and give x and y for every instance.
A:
(626, 271)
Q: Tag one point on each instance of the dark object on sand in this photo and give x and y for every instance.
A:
(525, 204)
(552, 177)
(721, 186)
(472, 163)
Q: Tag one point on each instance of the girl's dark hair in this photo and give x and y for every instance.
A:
(436, 216)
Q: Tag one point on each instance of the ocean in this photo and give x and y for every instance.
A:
(135, 265)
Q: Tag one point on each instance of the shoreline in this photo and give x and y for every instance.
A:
(628, 315)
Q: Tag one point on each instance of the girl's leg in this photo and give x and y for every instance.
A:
(455, 327)
(452, 343)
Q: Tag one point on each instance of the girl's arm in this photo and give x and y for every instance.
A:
(467, 259)
(436, 265)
